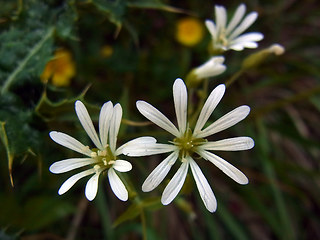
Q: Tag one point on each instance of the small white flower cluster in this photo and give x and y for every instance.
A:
(189, 143)
(186, 145)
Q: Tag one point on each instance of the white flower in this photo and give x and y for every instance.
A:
(213, 67)
(102, 158)
(188, 144)
(227, 36)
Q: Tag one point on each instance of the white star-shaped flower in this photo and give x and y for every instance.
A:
(189, 144)
(228, 36)
(102, 158)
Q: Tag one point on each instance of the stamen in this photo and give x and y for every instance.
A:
(104, 160)
(96, 167)
(102, 153)
(85, 148)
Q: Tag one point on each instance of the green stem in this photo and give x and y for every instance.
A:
(144, 224)
(234, 77)
(104, 214)
(25, 61)
(134, 197)
(203, 96)
(134, 123)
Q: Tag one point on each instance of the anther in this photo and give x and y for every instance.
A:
(102, 153)
(96, 167)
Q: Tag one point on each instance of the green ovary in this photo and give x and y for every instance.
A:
(188, 144)
(105, 158)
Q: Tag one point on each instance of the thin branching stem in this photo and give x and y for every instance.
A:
(234, 77)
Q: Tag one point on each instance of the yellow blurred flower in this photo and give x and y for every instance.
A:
(189, 31)
(60, 70)
(106, 51)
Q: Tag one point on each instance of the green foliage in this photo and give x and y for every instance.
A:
(24, 55)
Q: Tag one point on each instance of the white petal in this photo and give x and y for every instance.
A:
(221, 18)
(211, 28)
(230, 144)
(204, 188)
(92, 186)
(236, 18)
(159, 173)
(249, 44)
(242, 45)
(117, 185)
(180, 97)
(104, 122)
(247, 37)
(122, 166)
(70, 164)
(211, 68)
(226, 121)
(175, 184)
(237, 47)
(211, 103)
(226, 167)
(247, 22)
(148, 149)
(114, 126)
(218, 60)
(135, 142)
(69, 142)
(87, 124)
(155, 116)
(72, 180)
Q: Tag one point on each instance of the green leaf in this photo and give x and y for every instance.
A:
(17, 132)
(153, 4)
(10, 156)
(34, 54)
(152, 203)
(114, 9)
(15, 129)
(66, 22)
(230, 222)
(26, 45)
(133, 211)
(52, 110)
(43, 211)
(33, 213)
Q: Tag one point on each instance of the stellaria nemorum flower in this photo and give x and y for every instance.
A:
(103, 157)
(189, 144)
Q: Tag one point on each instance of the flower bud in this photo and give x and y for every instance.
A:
(257, 58)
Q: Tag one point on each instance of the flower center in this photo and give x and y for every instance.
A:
(223, 39)
(187, 144)
(105, 158)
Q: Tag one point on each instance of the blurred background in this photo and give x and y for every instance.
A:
(54, 52)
